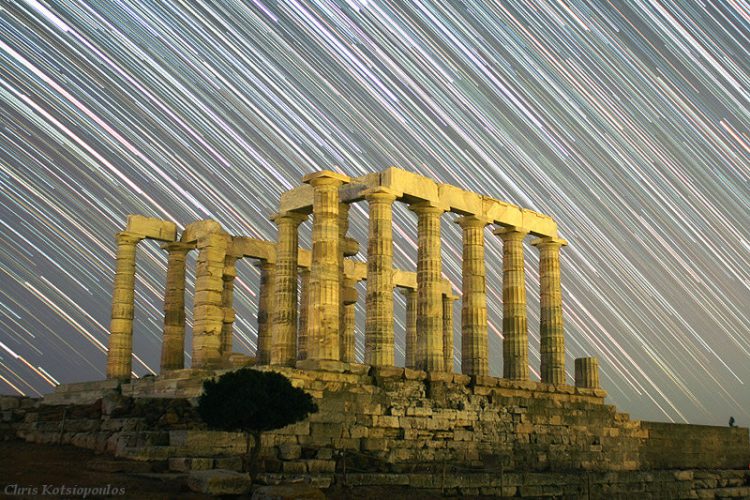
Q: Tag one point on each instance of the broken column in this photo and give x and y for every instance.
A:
(304, 276)
(448, 332)
(410, 347)
(265, 297)
(515, 330)
(349, 298)
(173, 342)
(551, 333)
(587, 373)
(379, 336)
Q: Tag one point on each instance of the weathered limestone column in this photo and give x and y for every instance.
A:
(474, 346)
(265, 297)
(448, 332)
(349, 298)
(304, 275)
(227, 302)
(379, 336)
(515, 332)
(551, 333)
(173, 341)
(284, 316)
(208, 310)
(410, 348)
(119, 364)
(587, 373)
(429, 288)
(324, 300)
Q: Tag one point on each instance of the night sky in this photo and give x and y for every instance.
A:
(628, 122)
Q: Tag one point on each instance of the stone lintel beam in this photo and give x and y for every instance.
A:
(194, 231)
(244, 246)
(151, 228)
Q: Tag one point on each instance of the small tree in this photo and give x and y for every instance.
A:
(252, 401)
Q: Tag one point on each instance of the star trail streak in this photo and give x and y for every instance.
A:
(629, 122)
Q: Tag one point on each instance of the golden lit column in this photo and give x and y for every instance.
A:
(324, 299)
(515, 330)
(587, 373)
(448, 332)
(119, 364)
(304, 275)
(173, 342)
(349, 298)
(551, 333)
(265, 297)
(227, 302)
(410, 347)
(379, 336)
(429, 288)
(208, 308)
(474, 347)
(284, 315)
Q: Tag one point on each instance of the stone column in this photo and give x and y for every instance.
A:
(448, 332)
(173, 341)
(265, 297)
(119, 364)
(587, 373)
(227, 302)
(284, 316)
(379, 336)
(474, 344)
(324, 300)
(410, 347)
(349, 298)
(515, 332)
(208, 309)
(429, 288)
(551, 333)
(303, 301)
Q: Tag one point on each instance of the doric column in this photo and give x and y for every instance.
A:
(324, 300)
(551, 333)
(410, 347)
(349, 299)
(429, 288)
(587, 373)
(448, 332)
(284, 316)
(304, 275)
(208, 309)
(265, 297)
(119, 364)
(474, 349)
(379, 336)
(173, 341)
(227, 302)
(515, 334)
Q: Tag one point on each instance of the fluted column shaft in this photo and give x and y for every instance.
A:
(227, 302)
(119, 364)
(515, 329)
(284, 316)
(587, 373)
(324, 301)
(304, 300)
(410, 348)
(349, 300)
(208, 309)
(448, 332)
(429, 289)
(173, 341)
(474, 344)
(379, 334)
(551, 333)
(265, 299)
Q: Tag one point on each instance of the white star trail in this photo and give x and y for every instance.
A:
(628, 122)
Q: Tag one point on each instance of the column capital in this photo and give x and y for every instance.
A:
(511, 232)
(407, 291)
(425, 207)
(263, 264)
(380, 194)
(128, 238)
(326, 177)
(177, 247)
(472, 221)
(548, 241)
(295, 218)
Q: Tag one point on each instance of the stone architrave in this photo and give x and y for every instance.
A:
(265, 297)
(324, 300)
(284, 316)
(208, 307)
(429, 288)
(474, 343)
(515, 328)
(448, 332)
(173, 342)
(227, 302)
(304, 277)
(551, 332)
(410, 347)
(349, 293)
(119, 364)
(379, 333)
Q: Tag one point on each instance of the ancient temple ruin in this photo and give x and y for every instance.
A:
(319, 333)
